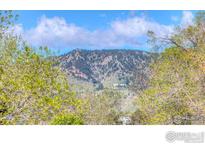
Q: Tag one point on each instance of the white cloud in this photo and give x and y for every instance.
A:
(16, 29)
(136, 27)
(187, 18)
(57, 33)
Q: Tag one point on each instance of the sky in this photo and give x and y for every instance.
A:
(67, 30)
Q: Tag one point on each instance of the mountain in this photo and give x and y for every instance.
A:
(117, 68)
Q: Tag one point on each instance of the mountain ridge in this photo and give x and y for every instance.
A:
(120, 66)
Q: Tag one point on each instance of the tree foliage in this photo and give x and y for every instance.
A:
(67, 119)
(176, 89)
(33, 89)
(103, 108)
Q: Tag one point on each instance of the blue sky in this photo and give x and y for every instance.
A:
(66, 30)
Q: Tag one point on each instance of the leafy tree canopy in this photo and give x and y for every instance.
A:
(176, 89)
(33, 89)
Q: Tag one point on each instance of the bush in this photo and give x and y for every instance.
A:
(176, 87)
(67, 119)
(33, 88)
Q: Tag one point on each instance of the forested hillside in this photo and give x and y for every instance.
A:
(108, 67)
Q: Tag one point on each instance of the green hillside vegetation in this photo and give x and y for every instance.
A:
(103, 107)
(32, 89)
(176, 93)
